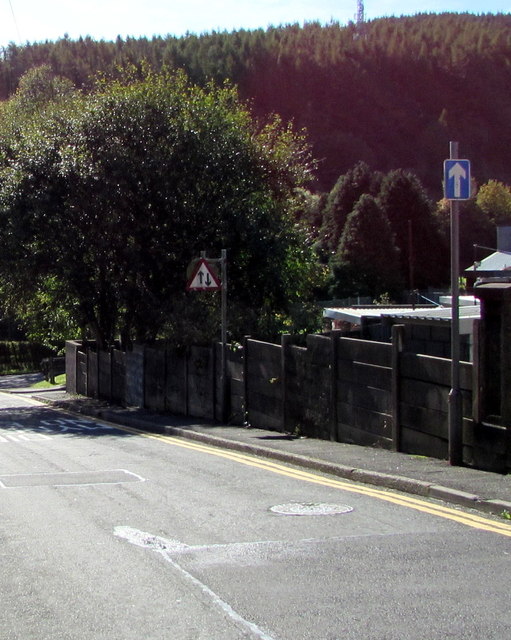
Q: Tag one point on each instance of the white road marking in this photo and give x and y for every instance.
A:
(18, 436)
(71, 424)
(165, 548)
(17, 432)
(68, 479)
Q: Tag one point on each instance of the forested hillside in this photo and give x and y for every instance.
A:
(391, 92)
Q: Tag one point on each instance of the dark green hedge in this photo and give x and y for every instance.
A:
(22, 357)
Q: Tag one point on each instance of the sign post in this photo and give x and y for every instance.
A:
(456, 187)
(204, 278)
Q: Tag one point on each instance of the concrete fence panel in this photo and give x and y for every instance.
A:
(134, 376)
(105, 375)
(93, 374)
(176, 386)
(235, 387)
(317, 387)
(201, 382)
(154, 378)
(119, 377)
(364, 392)
(297, 398)
(263, 385)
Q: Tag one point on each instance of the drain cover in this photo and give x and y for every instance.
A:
(310, 509)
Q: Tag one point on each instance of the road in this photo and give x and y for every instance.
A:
(113, 534)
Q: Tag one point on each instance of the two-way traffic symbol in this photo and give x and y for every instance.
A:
(203, 278)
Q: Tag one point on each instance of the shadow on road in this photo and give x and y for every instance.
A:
(15, 422)
(20, 381)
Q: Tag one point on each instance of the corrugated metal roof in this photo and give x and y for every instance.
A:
(428, 315)
(439, 313)
(467, 315)
(354, 314)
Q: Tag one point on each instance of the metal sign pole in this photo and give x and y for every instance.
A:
(223, 262)
(455, 413)
(223, 327)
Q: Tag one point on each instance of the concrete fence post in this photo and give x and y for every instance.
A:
(397, 348)
(71, 365)
(334, 352)
(245, 402)
(285, 341)
(478, 410)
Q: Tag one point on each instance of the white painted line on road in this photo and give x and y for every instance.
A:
(68, 479)
(148, 541)
(16, 436)
(164, 548)
(44, 429)
(177, 548)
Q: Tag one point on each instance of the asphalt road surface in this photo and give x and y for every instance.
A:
(108, 533)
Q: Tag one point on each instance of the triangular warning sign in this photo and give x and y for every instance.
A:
(203, 278)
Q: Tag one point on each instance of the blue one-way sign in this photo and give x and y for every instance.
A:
(457, 179)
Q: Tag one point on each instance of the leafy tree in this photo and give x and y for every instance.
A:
(44, 317)
(494, 199)
(309, 209)
(367, 262)
(111, 194)
(474, 228)
(38, 87)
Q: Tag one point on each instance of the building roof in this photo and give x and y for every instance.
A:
(354, 315)
(441, 315)
(497, 261)
(420, 315)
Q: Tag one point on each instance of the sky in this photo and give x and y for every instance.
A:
(32, 21)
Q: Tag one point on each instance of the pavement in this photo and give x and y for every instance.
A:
(418, 475)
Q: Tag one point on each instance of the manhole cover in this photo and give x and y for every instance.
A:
(310, 509)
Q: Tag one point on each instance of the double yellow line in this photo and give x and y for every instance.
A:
(468, 519)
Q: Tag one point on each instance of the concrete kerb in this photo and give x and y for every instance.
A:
(391, 481)
(496, 507)
(27, 391)
(387, 481)
(453, 495)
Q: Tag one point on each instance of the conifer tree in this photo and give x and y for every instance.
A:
(423, 256)
(348, 189)
(367, 262)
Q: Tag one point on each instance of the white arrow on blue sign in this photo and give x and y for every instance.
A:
(457, 179)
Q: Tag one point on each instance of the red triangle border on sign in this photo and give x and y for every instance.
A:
(216, 282)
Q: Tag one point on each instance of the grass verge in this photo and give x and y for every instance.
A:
(44, 384)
